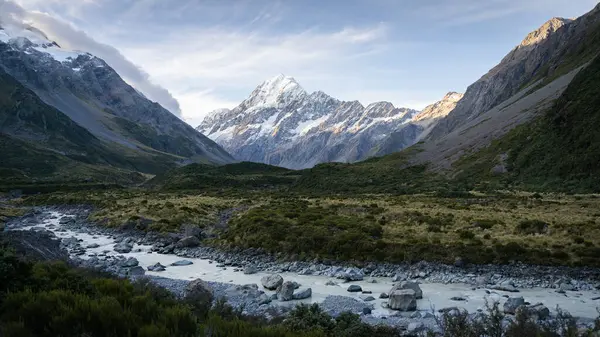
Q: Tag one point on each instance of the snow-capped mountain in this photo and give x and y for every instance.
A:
(281, 124)
(93, 95)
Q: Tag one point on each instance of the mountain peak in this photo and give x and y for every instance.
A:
(276, 90)
(440, 108)
(544, 31)
(452, 96)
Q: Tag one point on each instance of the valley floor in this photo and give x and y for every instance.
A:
(469, 228)
(94, 246)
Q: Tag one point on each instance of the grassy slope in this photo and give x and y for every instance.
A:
(559, 151)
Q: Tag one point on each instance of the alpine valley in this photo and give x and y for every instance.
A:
(300, 215)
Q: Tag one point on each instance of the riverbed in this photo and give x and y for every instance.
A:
(435, 295)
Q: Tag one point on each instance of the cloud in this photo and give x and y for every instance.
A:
(70, 37)
(197, 63)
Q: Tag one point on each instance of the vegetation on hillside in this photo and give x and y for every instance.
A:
(559, 151)
(40, 143)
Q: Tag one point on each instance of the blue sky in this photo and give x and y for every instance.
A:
(211, 53)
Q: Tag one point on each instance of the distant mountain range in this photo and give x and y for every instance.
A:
(85, 95)
(530, 121)
(281, 124)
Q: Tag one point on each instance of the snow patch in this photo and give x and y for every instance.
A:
(279, 89)
(58, 54)
(304, 127)
(222, 135)
(268, 126)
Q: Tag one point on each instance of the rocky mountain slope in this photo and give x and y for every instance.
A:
(552, 50)
(281, 124)
(88, 92)
(521, 88)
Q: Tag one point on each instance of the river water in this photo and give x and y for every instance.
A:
(435, 295)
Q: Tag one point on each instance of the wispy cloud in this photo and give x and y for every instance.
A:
(68, 36)
(219, 58)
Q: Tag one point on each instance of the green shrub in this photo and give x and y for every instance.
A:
(530, 227)
(466, 235)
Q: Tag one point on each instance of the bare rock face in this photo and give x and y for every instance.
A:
(538, 55)
(92, 94)
(403, 300)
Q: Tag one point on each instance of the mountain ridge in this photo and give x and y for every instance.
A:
(91, 93)
(546, 53)
(282, 124)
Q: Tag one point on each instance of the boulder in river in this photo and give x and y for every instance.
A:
(539, 310)
(384, 295)
(398, 277)
(351, 274)
(505, 286)
(354, 289)
(330, 283)
(66, 220)
(157, 267)
(130, 262)
(403, 300)
(188, 242)
(92, 246)
(512, 303)
(286, 291)
(123, 247)
(302, 294)
(272, 282)
(367, 298)
(199, 294)
(409, 285)
(182, 263)
(136, 271)
(250, 269)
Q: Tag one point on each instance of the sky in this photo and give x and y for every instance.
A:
(195, 56)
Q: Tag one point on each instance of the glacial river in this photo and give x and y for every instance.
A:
(435, 295)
